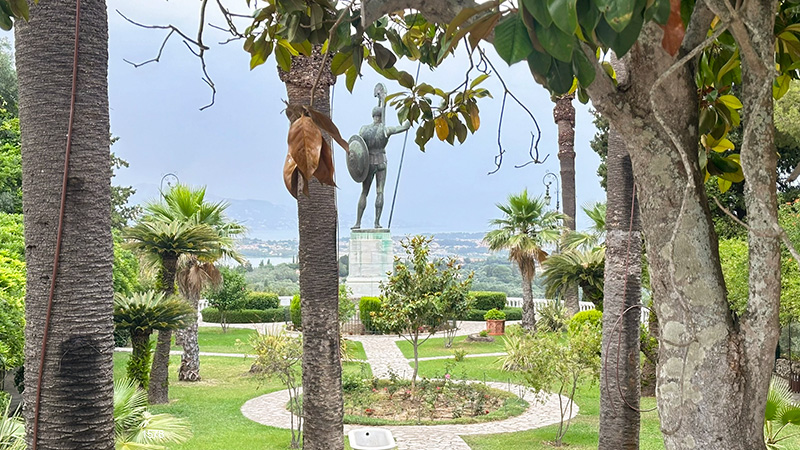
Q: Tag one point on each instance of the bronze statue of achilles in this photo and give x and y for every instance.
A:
(367, 157)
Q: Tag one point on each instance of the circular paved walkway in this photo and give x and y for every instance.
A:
(383, 355)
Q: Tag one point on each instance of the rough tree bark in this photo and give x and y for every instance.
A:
(189, 369)
(564, 116)
(158, 391)
(77, 396)
(619, 378)
(323, 409)
(528, 307)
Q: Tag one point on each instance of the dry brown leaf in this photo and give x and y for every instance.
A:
(540, 255)
(475, 117)
(290, 174)
(326, 124)
(325, 170)
(673, 30)
(305, 144)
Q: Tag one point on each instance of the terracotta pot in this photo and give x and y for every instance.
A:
(496, 327)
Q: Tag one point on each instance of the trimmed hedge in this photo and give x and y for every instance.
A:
(261, 300)
(591, 316)
(476, 315)
(247, 315)
(486, 300)
(294, 311)
(365, 306)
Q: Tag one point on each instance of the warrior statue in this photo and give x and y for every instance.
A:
(367, 157)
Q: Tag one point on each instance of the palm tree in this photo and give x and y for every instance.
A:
(75, 409)
(575, 268)
(193, 277)
(140, 314)
(319, 276)
(595, 236)
(782, 410)
(525, 228)
(135, 428)
(564, 116)
(163, 243)
(183, 203)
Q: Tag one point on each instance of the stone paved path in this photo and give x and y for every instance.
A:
(384, 355)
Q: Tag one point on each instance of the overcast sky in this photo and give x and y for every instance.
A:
(237, 147)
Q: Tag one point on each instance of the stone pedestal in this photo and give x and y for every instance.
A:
(371, 257)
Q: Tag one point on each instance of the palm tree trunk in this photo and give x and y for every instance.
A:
(76, 407)
(619, 418)
(190, 360)
(319, 279)
(158, 391)
(139, 365)
(528, 310)
(564, 115)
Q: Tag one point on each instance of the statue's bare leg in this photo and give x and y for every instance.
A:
(362, 201)
(380, 181)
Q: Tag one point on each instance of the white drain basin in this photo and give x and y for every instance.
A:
(371, 439)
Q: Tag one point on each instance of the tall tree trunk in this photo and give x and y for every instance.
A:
(619, 378)
(76, 408)
(564, 116)
(319, 279)
(158, 391)
(528, 308)
(190, 360)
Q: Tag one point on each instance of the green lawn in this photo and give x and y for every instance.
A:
(212, 339)
(212, 406)
(435, 347)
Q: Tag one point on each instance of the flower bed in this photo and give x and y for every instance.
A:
(430, 402)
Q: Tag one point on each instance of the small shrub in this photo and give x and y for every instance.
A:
(592, 316)
(347, 309)
(459, 355)
(494, 314)
(485, 300)
(484, 333)
(476, 315)
(365, 307)
(261, 300)
(247, 315)
(553, 316)
(294, 310)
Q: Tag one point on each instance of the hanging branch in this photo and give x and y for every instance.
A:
(535, 138)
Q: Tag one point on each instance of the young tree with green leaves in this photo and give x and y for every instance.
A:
(526, 227)
(421, 295)
(228, 295)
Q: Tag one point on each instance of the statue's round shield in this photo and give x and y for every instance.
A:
(358, 158)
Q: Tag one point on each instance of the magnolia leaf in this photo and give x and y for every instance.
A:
(284, 58)
(305, 145)
(463, 15)
(539, 10)
(341, 62)
(781, 86)
(424, 134)
(290, 174)
(731, 101)
(20, 8)
(442, 129)
(557, 43)
(582, 67)
(326, 124)
(383, 57)
(475, 118)
(5, 21)
(564, 14)
(559, 78)
(511, 39)
(350, 78)
(478, 80)
(482, 28)
(325, 171)
(724, 185)
(659, 11)
(723, 145)
(620, 13)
